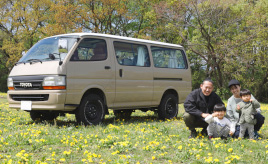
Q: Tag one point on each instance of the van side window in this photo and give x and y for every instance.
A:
(90, 49)
(132, 54)
(168, 58)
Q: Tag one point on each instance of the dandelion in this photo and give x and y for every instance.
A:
(116, 152)
(62, 159)
(197, 156)
(230, 150)
(67, 152)
(227, 162)
(208, 160)
(180, 147)
(216, 160)
(153, 157)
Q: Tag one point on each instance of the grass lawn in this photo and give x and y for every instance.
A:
(142, 139)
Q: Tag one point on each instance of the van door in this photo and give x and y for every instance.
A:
(171, 72)
(134, 75)
(90, 66)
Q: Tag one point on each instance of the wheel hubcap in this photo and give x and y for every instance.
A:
(91, 111)
(170, 108)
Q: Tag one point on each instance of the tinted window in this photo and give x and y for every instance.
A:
(90, 49)
(132, 54)
(168, 58)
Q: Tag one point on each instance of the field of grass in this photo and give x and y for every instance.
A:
(142, 139)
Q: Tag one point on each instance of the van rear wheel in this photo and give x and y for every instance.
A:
(168, 107)
(91, 111)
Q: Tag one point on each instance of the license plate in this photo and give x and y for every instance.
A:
(26, 105)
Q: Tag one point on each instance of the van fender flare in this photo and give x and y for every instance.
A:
(170, 90)
(96, 89)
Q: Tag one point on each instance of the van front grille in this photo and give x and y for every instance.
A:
(32, 97)
(28, 82)
(28, 86)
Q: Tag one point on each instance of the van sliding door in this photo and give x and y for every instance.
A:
(134, 75)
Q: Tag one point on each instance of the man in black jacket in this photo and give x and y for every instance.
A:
(198, 105)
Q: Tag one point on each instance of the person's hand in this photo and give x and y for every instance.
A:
(215, 114)
(231, 133)
(251, 100)
(238, 107)
(204, 115)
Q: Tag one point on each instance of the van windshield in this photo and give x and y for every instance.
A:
(49, 49)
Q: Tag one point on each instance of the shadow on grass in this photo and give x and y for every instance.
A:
(62, 121)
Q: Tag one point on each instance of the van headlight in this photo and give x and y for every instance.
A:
(10, 84)
(54, 82)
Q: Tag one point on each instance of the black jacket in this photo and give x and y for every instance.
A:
(195, 102)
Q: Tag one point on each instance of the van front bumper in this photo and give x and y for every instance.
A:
(41, 99)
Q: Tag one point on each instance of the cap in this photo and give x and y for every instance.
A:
(233, 82)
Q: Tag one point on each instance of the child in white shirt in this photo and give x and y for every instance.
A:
(219, 126)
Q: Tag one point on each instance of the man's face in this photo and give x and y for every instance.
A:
(246, 98)
(206, 87)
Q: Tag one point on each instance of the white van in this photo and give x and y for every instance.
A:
(87, 73)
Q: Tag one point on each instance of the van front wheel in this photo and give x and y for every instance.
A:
(91, 111)
(168, 107)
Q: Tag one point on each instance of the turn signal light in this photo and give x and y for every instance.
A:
(54, 87)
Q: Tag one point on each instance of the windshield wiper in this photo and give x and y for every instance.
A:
(34, 60)
(19, 63)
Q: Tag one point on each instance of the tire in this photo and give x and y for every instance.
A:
(123, 114)
(91, 111)
(43, 115)
(168, 107)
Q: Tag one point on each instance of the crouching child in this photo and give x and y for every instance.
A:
(219, 126)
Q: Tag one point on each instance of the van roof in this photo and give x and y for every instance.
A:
(81, 35)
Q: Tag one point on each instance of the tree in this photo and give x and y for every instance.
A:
(214, 31)
(20, 21)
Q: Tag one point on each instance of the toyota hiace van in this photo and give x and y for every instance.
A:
(88, 73)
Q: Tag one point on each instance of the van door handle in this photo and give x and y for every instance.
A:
(107, 67)
(120, 72)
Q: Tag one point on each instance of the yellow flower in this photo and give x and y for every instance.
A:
(116, 152)
(216, 160)
(230, 150)
(153, 157)
(197, 156)
(62, 159)
(208, 159)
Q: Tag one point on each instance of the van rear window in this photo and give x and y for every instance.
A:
(132, 54)
(168, 58)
